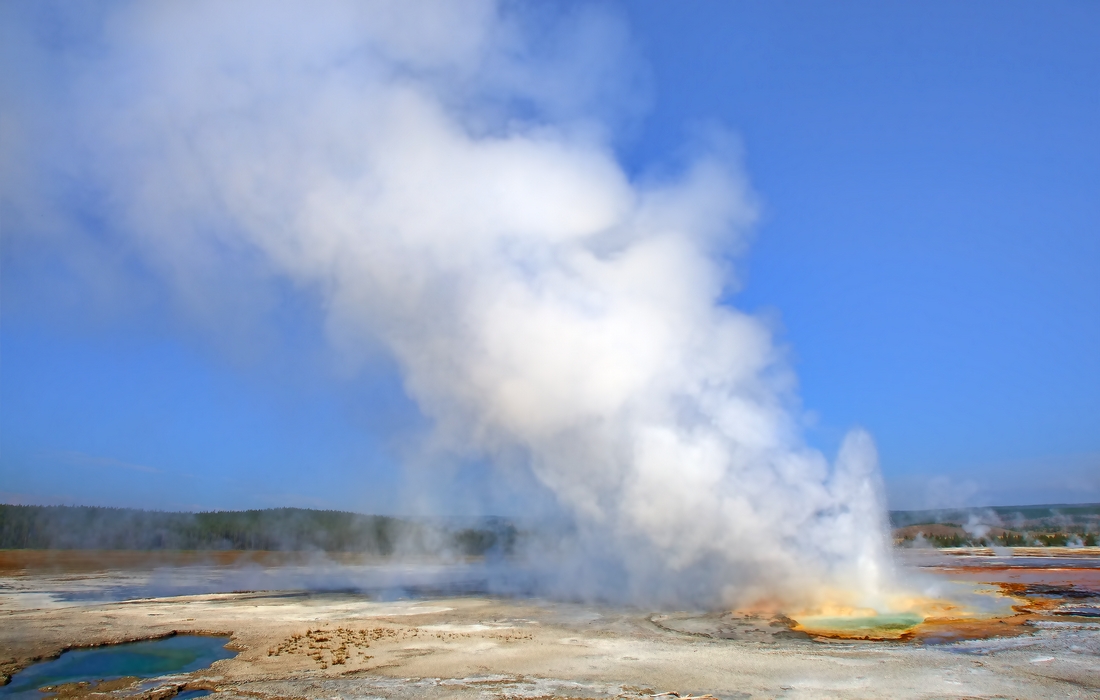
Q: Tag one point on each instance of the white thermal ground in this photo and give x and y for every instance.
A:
(442, 176)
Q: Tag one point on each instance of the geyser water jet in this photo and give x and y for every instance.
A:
(441, 176)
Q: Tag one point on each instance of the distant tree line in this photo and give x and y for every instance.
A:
(1004, 526)
(277, 529)
(955, 535)
(1011, 539)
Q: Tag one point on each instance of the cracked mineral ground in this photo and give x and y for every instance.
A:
(303, 628)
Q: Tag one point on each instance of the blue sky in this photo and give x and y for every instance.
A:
(928, 248)
(931, 237)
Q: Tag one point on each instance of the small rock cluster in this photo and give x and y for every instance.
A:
(331, 647)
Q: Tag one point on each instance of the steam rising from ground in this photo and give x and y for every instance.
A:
(442, 176)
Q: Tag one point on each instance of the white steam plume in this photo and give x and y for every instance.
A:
(441, 175)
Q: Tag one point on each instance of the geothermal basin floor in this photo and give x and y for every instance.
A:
(298, 643)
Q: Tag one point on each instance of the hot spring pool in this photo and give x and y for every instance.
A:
(159, 657)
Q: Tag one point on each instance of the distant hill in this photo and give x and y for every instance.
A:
(276, 529)
(1044, 525)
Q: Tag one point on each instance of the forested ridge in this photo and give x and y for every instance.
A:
(300, 529)
(275, 529)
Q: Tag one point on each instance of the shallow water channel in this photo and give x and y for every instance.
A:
(158, 657)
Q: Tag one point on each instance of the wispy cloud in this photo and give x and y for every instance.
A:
(40, 499)
(293, 500)
(1067, 478)
(81, 459)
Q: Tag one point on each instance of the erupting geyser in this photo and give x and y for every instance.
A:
(442, 178)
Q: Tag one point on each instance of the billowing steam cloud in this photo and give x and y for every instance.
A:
(440, 174)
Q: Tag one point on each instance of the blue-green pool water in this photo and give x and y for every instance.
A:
(159, 657)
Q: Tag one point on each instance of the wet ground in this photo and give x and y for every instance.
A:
(409, 631)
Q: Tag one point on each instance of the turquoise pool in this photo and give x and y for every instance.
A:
(182, 653)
